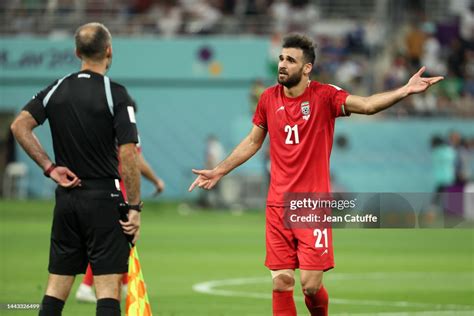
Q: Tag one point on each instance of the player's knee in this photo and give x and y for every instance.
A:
(311, 290)
(311, 282)
(283, 282)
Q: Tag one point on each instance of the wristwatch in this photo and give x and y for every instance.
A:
(137, 207)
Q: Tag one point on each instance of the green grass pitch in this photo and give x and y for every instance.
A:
(378, 272)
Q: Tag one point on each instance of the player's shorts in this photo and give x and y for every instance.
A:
(292, 248)
(86, 229)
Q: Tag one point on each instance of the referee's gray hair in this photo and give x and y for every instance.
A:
(92, 40)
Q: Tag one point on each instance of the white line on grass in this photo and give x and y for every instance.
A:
(211, 288)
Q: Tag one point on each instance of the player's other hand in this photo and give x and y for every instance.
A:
(418, 84)
(65, 177)
(159, 186)
(132, 226)
(206, 179)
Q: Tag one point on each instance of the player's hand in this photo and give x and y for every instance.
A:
(206, 179)
(159, 186)
(65, 177)
(132, 226)
(418, 84)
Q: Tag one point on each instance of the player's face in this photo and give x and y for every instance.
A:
(290, 67)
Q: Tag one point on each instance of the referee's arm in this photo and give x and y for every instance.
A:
(131, 179)
(130, 172)
(22, 129)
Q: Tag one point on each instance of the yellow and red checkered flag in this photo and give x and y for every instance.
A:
(137, 303)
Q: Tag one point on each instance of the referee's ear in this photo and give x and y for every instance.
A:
(108, 51)
(78, 54)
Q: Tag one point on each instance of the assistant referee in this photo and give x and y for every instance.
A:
(92, 123)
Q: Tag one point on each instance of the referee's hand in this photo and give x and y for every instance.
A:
(65, 177)
(132, 226)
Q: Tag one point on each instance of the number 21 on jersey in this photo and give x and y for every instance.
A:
(321, 238)
(292, 136)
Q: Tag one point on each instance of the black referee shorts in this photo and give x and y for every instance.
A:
(86, 229)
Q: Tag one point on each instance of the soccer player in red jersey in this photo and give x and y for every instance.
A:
(299, 116)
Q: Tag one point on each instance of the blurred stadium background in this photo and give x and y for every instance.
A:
(195, 69)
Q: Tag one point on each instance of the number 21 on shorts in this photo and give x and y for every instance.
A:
(321, 238)
(292, 136)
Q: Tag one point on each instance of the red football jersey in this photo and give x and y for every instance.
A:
(301, 135)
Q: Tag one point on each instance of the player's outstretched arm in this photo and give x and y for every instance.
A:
(381, 101)
(149, 174)
(207, 179)
(22, 128)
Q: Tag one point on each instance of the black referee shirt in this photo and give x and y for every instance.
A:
(89, 116)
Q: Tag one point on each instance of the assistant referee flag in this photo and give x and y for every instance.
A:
(137, 303)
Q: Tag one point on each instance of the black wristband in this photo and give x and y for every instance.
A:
(48, 171)
(137, 207)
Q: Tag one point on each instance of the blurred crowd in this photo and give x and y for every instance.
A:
(163, 17)
(452, 160)
(445, 48)
(362, 49)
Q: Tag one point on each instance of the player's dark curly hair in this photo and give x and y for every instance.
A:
(302, 42)
(92, 40)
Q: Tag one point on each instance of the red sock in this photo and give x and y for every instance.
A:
(283, 303)
(125, 279)
(88, 277)
(318, 304)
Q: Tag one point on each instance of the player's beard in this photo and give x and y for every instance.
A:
(292, 80)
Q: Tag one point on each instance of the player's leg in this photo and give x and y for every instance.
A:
(315, 295)
(315, 255)
(281, 259)
(88, 277)
(84, 292)
(124, 285)
(283, 280)
(57, 291)
(282, 296)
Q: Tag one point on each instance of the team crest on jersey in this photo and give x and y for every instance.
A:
(305, 110)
